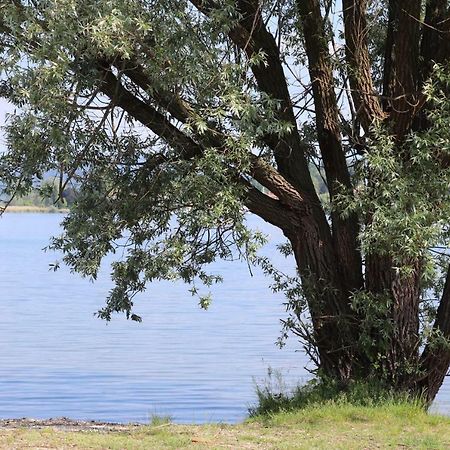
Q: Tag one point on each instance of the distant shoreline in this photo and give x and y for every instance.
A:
(36, 209)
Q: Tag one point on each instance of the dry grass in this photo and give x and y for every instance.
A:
(329, 426)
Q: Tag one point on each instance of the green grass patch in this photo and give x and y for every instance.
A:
(336, 425)
(273, 395)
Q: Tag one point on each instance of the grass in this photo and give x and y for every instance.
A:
(274, 396)
(337, 425)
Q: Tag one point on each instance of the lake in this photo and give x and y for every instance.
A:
(57, 359)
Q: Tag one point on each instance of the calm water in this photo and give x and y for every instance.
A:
(56, 359)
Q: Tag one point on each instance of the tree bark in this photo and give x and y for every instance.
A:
(368, 106)
(331, 314)
(402, 65)
(435, 359)
(344, 230)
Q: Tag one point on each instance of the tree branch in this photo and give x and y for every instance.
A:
(252, 37)
(435, 45)
(402, 64)
(270, 210)
(264, 206)
(169, 101)
(148, 116)
(369, 109)
(261, 171)
(345, 231)
(326, 109)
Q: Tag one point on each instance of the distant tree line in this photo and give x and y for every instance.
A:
(47, 195)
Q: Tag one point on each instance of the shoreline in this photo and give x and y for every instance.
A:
(67, 424)
(36, 209)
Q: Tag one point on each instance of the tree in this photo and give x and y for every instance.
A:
(176, 118)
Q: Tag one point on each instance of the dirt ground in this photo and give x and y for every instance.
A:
(65, 424)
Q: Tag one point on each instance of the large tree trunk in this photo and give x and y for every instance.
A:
(402, 293)
(435, 359)
(329, 308)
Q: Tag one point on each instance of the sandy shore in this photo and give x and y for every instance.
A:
(65, 424)
(35, 209)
